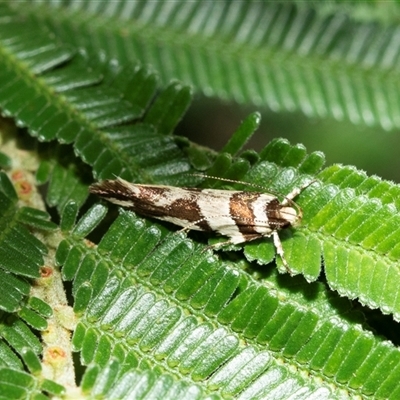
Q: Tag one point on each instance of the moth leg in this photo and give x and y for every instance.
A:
(243, 239)
(279, 250)
(248, 238)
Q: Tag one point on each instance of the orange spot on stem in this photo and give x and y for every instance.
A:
(46, 272)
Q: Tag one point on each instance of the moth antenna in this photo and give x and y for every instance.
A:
(289, 198)
(231, 180)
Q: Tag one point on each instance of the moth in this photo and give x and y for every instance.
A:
(242, 216)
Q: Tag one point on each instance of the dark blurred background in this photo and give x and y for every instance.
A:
(211, 122)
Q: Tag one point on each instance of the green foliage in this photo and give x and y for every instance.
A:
(284, 55)
(172, 304)
(18, 384)
(22, 261)
(158, 313)
(112, 382)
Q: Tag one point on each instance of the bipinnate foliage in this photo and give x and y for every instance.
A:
(172, 303)
(158, 313)
(22, 261)
(322, 60)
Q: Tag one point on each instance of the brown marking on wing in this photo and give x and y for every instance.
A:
(143, 199)
(275, 219)
(242, 213)
(184, 209)
(188, 209)
(110, 189)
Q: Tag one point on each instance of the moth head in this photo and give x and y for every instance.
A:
(281, 215)
(290, 209)
(292, 215)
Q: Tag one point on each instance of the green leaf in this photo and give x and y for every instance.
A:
(8, 358)
(31, 360)
(176, 282)
(167, 110)
(32, 318)
(5, 161)
(16, 384)
(111, 382)
(88, 111)
(65, 186)
(21, 257)
(52, 387)
(40, 306)
(345, 176)
(21, 253)
(157, 313)
(243, 134)
(90, 220)
(286, 56)
(68, 216)
(18, 335)
(14, 290)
